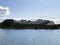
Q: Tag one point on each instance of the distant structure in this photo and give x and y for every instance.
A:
(39, 21)
(51, 23)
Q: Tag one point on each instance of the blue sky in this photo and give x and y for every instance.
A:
(48, 9)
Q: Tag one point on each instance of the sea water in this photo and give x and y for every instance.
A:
(29, 37)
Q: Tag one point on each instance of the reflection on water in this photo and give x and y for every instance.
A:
(29, 37)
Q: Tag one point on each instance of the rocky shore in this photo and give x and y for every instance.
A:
(28, 24)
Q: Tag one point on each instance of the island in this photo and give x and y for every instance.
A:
(28, 24)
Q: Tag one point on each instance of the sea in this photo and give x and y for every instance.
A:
(29, 37)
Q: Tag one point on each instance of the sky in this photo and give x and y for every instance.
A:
(32, 9)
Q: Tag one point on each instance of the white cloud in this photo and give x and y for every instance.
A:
(4, 11)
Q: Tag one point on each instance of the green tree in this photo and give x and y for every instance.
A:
(8, 22)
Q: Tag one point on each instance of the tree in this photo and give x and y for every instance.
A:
(8, 22)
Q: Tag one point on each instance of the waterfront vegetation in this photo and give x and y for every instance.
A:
(23, 24)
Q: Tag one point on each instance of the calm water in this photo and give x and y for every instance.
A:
(29, 37)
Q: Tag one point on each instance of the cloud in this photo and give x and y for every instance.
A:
(4, 11)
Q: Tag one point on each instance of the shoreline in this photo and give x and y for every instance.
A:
(23, 24)
(37, 27)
